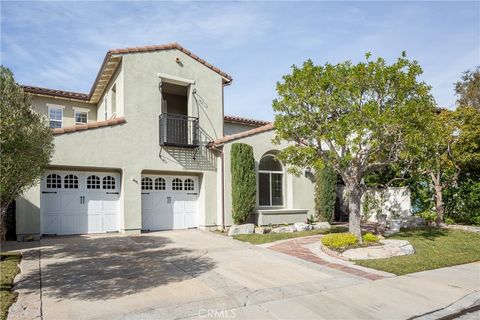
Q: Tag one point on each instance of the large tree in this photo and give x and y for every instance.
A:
(468, 89)
(451, 142)
(26, 143)
(356, 118)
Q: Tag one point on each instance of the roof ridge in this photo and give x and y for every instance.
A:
(240, 135)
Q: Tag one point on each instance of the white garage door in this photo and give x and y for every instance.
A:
(80, 202)
(169, 202)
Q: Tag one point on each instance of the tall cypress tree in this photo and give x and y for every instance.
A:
(244, 186)
(325, 193)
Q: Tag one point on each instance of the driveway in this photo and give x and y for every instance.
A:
(196, 274)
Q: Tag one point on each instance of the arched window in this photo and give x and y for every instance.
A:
(70, 182)
(189, 185)
(147, 183)
(270, 181)
(177, 184)
(109, 183)
(159, 184)
(93, 182)
(54, 181)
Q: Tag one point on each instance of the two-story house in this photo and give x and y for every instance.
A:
(148, 148)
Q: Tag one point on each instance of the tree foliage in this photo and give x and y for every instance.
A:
(244, 186)
(356, 118)
(26, 142)
(325, 193)
(468, 89)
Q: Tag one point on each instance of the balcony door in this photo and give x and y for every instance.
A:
(175, 104)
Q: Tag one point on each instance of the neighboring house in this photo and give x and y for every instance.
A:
(148, 148)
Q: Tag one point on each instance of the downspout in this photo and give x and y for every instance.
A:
(222, 160)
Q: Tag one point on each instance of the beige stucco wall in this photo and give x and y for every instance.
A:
(133, 147)
(232, 128)
(40, 104)
(298, 190)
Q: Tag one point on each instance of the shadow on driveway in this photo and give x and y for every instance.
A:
(96, 268)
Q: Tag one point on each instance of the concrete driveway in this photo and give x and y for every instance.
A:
(196, 274)
(166, 275)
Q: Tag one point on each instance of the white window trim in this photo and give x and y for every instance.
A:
(57, 107)
(80, 110)
(175, 80)
(270, 182)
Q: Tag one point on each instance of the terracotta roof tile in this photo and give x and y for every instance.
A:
(87, 97)
(236, 136)
(56, 93)
(241, 120)
(90, 125)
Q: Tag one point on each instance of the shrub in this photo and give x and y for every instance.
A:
(428, 215)
(339, 240)
(325, 193)
(244, 185)
(370, 237)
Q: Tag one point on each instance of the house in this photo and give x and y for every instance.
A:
(148, 148)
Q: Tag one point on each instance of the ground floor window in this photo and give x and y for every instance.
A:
(270, 181)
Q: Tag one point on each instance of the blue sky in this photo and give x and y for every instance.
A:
(62, 44)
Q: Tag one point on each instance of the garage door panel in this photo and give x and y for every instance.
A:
(175, 206)
(93, 207)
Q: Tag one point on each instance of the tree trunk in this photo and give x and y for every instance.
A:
(439, 206)
(354, 215)
(3, 229)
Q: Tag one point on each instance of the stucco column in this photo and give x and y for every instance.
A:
(131, 201)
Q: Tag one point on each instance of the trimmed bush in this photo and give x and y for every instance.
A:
(429, 216)
(339, 240)
(244, 185)
(325, 194)
(370, 237)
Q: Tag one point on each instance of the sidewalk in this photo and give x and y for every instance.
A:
(400, 297)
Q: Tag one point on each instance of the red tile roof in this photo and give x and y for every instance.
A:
(89, 125)
(170, 46)
(56, 93)
(247, 121)
(240, 135)
(86, 97)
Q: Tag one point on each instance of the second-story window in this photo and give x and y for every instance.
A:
(81, 117)
(55, 116)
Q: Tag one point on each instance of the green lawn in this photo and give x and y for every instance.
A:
(8, 269)
(434, 248)
(271, 237)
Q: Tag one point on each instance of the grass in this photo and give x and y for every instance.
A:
(255, 238)
(434, 248)
(8, 270)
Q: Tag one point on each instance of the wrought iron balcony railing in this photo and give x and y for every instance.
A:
(177, 130)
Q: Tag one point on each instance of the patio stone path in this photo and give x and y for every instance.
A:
(296, 248)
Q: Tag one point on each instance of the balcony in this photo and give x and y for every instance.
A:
(178, 130)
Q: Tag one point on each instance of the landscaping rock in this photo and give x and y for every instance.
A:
(388, 249)
(413, 222)
(260, 230)
(247, 228)
(285, 229)
(321, 226)
(300, 226)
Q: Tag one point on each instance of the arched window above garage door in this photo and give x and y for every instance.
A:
(147, 183)
(189, 185)
(70, 182)
(160, 184)
(93, 182)
(177, 184)
(109, 183)
(54, 181)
